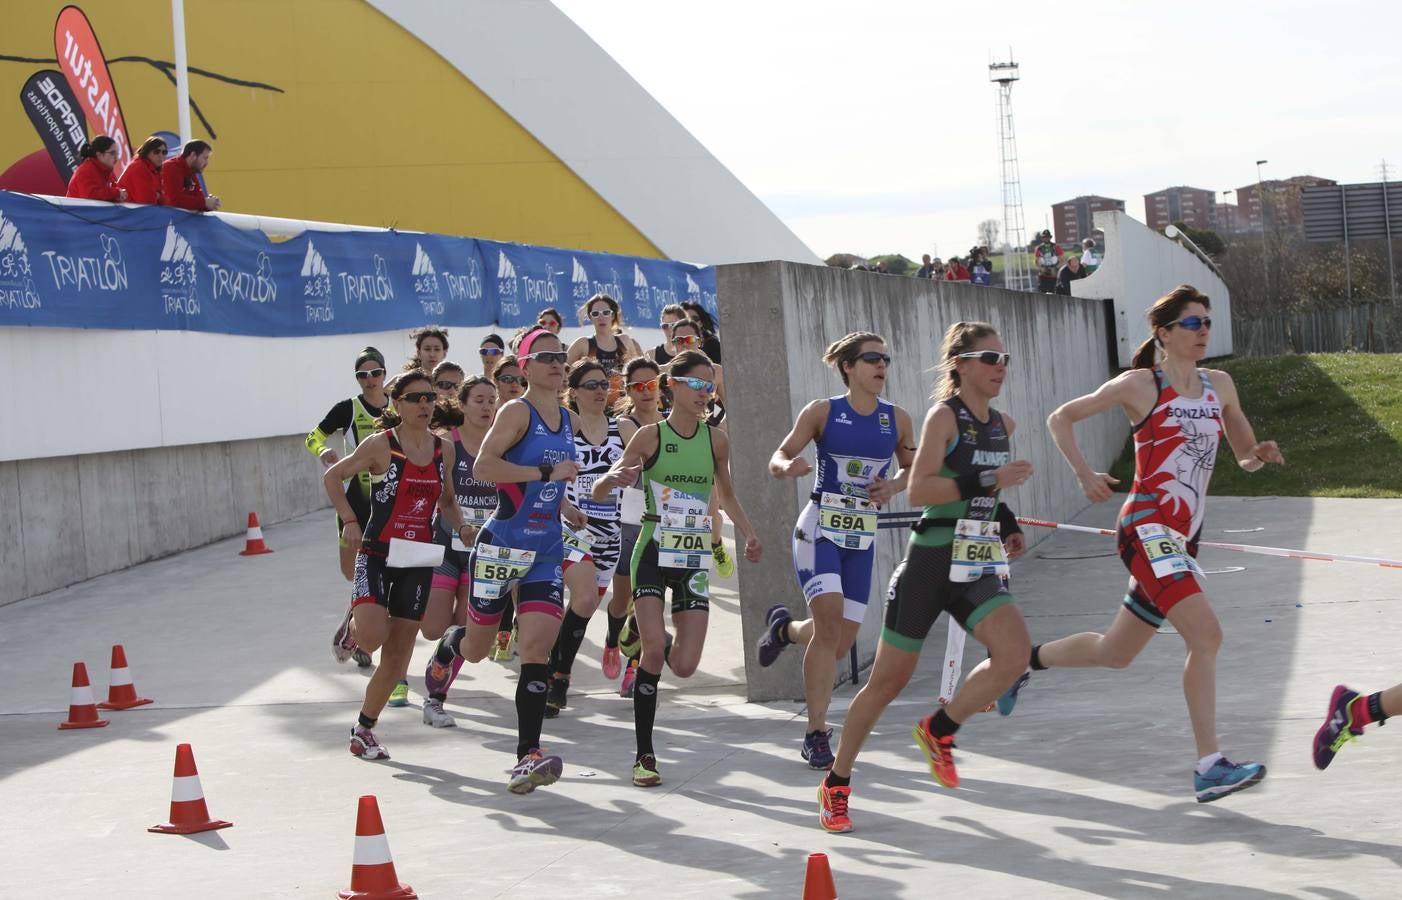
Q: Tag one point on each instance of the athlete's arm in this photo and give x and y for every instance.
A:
(578, 350)
(720, 446)
(881, 490)
(340, 418)
(641, 446)
(448, 499)
(509, 427)
(1250, 454)
(372, 454)
(626, 429)
(786, 461)
(927, 486)
(1133, 391)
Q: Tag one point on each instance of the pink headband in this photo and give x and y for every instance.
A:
(529, 339)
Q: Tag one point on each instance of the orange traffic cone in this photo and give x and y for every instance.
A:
(82, 712)
(372, 873)
(254, 545)
(817, 884)
(188, 814)
(121, 693)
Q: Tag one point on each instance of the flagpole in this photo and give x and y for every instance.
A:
(182, 75)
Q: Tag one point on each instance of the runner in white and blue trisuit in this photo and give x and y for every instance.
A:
(855, 435)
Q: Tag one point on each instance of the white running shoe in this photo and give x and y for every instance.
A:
(342, 644)
(533, 771)
(435, 716)
(364, 745)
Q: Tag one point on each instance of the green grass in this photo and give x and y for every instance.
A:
(1336, 416)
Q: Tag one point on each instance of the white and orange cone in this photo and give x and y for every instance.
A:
(253, 545)
(82, 711)
(188, 813)
(121, 692)
(372, 873)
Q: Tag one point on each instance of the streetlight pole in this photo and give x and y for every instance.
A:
(1265, 250)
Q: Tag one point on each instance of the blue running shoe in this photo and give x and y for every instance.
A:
(817, 749)
(1009, 698)
(1338, 729)
(770, 646)
(1226, 777)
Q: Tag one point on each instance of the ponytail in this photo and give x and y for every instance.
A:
(1144, 357)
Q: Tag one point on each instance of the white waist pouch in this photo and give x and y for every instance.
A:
(413, 554)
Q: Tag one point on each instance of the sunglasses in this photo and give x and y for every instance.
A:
(593, 384)
(1192, 323)
(643, 385)
(600, 313)
(548, 356)
(697, 384)
(420, 397)
(448, 385)
(362, 374)
(988, 357)
(490, 351)
(873, 357)
(548, 325)
(512, 379)
(685, 340)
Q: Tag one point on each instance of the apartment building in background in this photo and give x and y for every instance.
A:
(1282, 202)
(1195, 207)
(1074, 220)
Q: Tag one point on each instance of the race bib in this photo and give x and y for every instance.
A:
(849, 522)
(577, 543)
(977, 551)
(631, 507)
(494, 569)
(476, 516)
(684, 541)
(413, 554)
(1164, 548)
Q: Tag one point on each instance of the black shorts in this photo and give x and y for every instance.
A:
(691, 588)
(625, 554)
(404, 592)
(920, 590)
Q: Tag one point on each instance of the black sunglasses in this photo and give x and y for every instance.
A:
(593, 384)
(512, 379)
(1192, 323)
(362, 374)
(448, 385)
(548, 356)
(874, 357)
(420, 397)
(989, 357)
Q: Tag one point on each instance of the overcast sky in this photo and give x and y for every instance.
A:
(870, 127)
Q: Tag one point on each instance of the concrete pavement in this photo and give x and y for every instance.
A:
(1085, 791)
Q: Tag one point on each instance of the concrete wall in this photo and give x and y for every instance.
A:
(1060, 349)
(86, 515)
(1141, 266)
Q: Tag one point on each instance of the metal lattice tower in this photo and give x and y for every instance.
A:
(1017, 275)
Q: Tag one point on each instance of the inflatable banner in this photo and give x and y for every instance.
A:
(80, 57)
(155, 267)
(51, 106)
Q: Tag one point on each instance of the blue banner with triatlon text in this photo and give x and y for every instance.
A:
(157, 268)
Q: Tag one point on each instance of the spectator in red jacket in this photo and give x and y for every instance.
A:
(93, 179)
(142, 177)
(180, 183)
(955, 270)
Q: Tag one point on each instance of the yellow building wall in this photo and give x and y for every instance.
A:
(371, 127)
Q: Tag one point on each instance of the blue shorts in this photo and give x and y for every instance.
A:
(539, 589)
(824, 568)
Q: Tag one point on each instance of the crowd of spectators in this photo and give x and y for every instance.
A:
(148, 178)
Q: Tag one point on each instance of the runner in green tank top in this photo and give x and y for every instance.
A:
(681, 460)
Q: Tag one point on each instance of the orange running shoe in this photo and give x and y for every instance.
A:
(939, 752)
(832, 808)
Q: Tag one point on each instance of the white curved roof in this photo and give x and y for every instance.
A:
(547, 74)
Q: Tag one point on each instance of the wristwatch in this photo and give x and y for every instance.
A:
(545, 470)
(988, 479)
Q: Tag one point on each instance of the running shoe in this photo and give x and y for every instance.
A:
(556, 697)
(343, 644)
(1226, 777)
(725, 563)
(817, 749)
(501, 650)
(770, 646)
(534, 770)
(630, 675)
(612, 663)
(630, 640)
(362, 659)
(1009, 698)
(435, 715)
(436, 677)
(645, 772)
(938, 751)
(364, 745)
(832, 808)
(400, 695)
(1338, 729)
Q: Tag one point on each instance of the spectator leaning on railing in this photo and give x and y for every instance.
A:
(142, 177)
(1048, 257)
(94, 179)
(180, 183)
(954, 270)
(1072, 271)
(980, 271)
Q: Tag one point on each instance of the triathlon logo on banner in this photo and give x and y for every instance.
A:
(426, 283)
(179, 274)
(16, 278)
(316, 287)
(80, 57)
(641, 298)
(57, 117)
